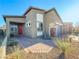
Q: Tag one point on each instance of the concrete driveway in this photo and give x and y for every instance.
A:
(26, 42)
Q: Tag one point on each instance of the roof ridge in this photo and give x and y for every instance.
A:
(31, 7)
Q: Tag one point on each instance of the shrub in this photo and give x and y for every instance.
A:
(17, 54)
(63, 45)
(12, 43)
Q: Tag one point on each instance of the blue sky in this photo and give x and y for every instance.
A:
(67, 9)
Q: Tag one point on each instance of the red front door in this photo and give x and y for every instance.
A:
(53, 32)
(20, 29)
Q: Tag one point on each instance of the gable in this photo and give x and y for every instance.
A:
(52, 13)
(32, 8)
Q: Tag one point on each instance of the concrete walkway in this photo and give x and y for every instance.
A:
(26, 42)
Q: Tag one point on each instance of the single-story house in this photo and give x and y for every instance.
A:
(67, 27)
(35, 22)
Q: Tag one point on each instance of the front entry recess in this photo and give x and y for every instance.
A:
(20, 29)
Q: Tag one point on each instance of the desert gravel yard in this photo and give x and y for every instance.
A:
(42, 52)
(73, 51)
(43, 49)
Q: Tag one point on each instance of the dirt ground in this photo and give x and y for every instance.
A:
(71, 53)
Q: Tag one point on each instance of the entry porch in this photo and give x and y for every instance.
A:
(14, 25)
(16, 29)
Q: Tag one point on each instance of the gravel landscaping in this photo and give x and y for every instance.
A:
(43, 50)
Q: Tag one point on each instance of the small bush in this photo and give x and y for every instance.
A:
(12, 43)
(17, 54)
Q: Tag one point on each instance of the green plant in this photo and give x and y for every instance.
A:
(12, 43)
(17, 54)
(63, 45)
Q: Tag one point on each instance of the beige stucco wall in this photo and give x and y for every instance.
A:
(31, 16)
(28, 30)
(50, 17)
(8, 20)
(19, 20)
(7, 28)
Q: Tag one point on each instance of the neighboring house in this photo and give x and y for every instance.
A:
(76, 29)
(67, 27)
(34, 23)
(3, 30)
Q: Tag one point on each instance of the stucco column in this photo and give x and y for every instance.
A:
(8, 28)
(3, 49)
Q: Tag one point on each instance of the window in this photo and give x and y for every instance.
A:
(39, 22)
(28, 24)
(13, 29)
(39, 26)
(40, 17)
